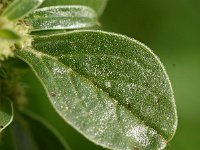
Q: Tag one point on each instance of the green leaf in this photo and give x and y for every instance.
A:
(109, 87)
(6, 112)
(97, 5)
(34, 132)
(8, 34)
(20, 8)
(62, 17)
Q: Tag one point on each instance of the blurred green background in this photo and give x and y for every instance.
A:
(171, 28)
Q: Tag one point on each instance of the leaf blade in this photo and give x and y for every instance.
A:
(62, 17)
(6, 113)
(20, 8)
(94, 69)
(97, 5)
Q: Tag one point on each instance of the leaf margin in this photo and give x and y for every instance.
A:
(12, 115)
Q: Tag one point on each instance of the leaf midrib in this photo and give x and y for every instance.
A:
(40, 54)
(58, 18)
(130, 61)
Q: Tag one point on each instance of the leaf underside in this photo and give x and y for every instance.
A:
(109, 87)
(62, 17)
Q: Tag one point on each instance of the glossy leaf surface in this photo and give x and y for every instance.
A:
(97, 5)
(6, 112)
(62, 17)
(19, 8)
(111, 88)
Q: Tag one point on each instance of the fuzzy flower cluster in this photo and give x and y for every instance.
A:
(7, 46)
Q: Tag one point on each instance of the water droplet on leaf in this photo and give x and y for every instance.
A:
(107, 84)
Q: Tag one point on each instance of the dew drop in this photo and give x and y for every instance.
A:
(59, 70)
(82, 97)
(156, 99)
(139, 133)
(107, 84)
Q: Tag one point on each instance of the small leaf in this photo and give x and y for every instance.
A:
(62, 17)
(8, 34)
(97, 5)
(111, 88)
(6, 112)
(19, 8)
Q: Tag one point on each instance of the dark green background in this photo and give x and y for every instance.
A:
(171, 28)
